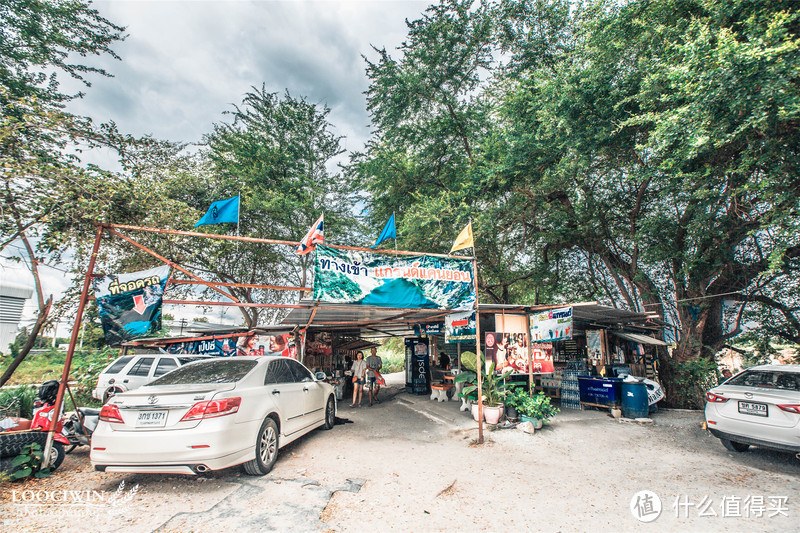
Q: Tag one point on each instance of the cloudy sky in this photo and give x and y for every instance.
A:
(185, 62)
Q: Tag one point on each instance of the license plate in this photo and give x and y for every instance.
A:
(151, 419)
(749, 408)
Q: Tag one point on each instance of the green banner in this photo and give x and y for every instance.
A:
(366, 278)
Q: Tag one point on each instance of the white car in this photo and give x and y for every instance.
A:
(132, 371)
(757, 407)
(211, 415)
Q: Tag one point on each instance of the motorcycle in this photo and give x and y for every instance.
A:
(76, 427)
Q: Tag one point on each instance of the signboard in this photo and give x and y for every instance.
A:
(130, 304)
(551, 325)
(460, 327)
(276, 344)
(542, 356)
(414, 282)
(429, 329)
(213, 347)
(507, 350)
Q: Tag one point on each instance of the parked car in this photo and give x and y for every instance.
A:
(132, 371)
(757, 407)
(210, 415)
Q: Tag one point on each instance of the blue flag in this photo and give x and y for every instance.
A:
(221, 212)
(387, 233)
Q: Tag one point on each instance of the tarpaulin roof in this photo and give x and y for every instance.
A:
(638, 337)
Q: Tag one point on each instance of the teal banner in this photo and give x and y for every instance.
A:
(415, 282)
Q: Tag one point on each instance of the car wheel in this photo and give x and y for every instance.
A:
(266, 449)
(330, 414)
(735, 446)
(110, 393)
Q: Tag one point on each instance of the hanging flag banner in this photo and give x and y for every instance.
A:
(551, 325)
(385, 280)
(130, 304)
(459, 327)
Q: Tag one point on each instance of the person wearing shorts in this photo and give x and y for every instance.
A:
(374, 362)
(359, 370)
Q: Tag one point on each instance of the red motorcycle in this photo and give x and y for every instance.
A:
(26, 432)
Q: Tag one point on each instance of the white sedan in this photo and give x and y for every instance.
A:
(757, 407)
(212, 414)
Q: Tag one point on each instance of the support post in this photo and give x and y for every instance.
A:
(71, 350)
(478, 364)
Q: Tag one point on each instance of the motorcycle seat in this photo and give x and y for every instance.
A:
(89, 411)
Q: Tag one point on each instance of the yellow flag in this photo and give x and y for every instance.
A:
(464, 239)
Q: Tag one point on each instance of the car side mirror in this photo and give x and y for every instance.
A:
(321, 376)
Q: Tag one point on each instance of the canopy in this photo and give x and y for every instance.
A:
(638, 337)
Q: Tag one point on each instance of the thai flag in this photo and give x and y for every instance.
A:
(314, 236)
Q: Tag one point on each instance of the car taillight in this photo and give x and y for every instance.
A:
(716, 398)
(110, 413)
(790, 408)
(212, 409)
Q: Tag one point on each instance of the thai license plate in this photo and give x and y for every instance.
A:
(749, 408)
(152, 419)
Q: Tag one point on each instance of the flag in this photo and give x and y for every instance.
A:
(464, 239)
(221, 212)
(388, 232)
(314, 236)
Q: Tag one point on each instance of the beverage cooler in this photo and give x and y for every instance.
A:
(418, 366)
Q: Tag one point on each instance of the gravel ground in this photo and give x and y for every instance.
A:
(410, 464)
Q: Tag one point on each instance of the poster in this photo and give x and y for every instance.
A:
(436, 328)
(272, 344)
(595, 345)
(460, 327)
(130, 304)
(542, 356)
(412, 282)
(507, 350)
(213, 347)
(551, 325)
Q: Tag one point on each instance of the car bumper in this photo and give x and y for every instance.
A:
(755, 442)
(212, 447)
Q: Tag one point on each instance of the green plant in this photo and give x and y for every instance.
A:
(28, 462)
(537, 406)
(18, 401)
(516, 396)
(690, 382)
(494, 388)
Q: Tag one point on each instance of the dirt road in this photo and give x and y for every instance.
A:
(410, 464)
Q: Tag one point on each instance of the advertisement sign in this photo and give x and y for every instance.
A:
(595, 346)
(429, 329)
(507, 350)
(460, 327)
(414, 282)
(551, 325)
(130, 304)
(246, 344)
(542, 355)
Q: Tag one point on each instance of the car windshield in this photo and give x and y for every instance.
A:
(767, 379)
(218, 371)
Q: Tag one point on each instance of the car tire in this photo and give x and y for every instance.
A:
(12, 442)
(110, 393)
(735, 446)
(266, 449)
(330, 413)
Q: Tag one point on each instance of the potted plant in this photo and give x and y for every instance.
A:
(493, 387)
(514, 401)
(537, 409)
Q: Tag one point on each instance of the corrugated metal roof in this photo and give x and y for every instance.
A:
(638, 337)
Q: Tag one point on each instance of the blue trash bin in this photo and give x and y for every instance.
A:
(634, 400)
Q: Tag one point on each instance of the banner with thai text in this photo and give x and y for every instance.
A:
(551, 325)
(385, 280)
(130, 304)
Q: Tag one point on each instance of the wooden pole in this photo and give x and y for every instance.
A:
(71, 350)
(478, 349)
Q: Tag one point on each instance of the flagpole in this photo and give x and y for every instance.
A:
(479, 366)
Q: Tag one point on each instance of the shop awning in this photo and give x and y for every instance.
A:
(638, 337)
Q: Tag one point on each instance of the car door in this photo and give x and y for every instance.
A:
(164, 365)
(287, 394)
(139, 373)
(313, 393)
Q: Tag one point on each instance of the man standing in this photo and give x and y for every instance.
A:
(374, 364)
